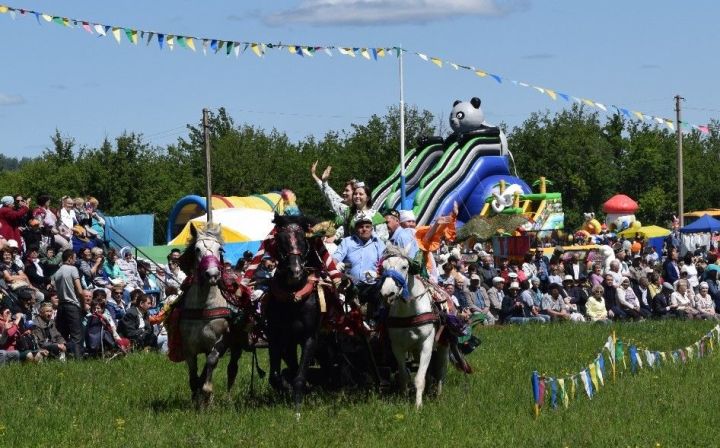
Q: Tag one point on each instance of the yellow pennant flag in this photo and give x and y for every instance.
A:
(48, 18)
(364, 53)
(256, 49)
(292, 49)
(711, 343)
(689, 351)
(381, 52)
(638, 114)
(3, 9)
(170, 41)
(346, 51)
(670, 124)
(599, 373)
(588, 102)
(134, 36)
(190, 42)
(551, 94)
(480, 73)
(437, 62)
(573, 392)
(593, 375)
(116, 33)
(563, 392)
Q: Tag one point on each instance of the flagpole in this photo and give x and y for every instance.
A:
(402, 131)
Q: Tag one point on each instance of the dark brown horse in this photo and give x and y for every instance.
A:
(293, 308)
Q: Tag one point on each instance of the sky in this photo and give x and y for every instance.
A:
(636, 54)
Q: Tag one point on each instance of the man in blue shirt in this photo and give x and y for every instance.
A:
(361, 252)
(400, 236)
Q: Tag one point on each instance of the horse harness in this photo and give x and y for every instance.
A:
(313, 284)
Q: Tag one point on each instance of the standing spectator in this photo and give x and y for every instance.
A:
(50, 261)
(70, 309)
(47, 335)
(67, 219)
(174, 276)
(574, 268)
(688, 266)
(97, 222)
(671, 270)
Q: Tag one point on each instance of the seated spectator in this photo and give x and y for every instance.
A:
(50, 261)
(681, 301)
(111, 269)
(704, 303)
(10, 335)
(496, 295)
(558, 307)
(129, 267)
(16, 280)
(81, 240)
(47, 335)
(610, 294)
(116, 305)
(575, 292)
(514, 310)
(97, 222)
(32, 235)
(136, 326)
(477, 300)
(34, 270)
(149, 283)
(661, 303)
(533, 296)
(101, 335)
(628, 301)
(644, 294)
(595, 306)
(596, 277)
(90, 266)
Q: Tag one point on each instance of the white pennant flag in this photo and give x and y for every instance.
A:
(423, 56)
(100, 30)
(601, 106)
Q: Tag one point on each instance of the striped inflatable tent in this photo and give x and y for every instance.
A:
(191, 207)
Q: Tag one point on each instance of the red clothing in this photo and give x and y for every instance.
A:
(10, 221)
(12, 337)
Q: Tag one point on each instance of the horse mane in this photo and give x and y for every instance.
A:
(392, 250)
(305, 222)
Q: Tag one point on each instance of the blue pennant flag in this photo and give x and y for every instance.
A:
(564, 96)
(553, 393)
(496, 78)
(633, 359)
(601, 363)
(161, 40)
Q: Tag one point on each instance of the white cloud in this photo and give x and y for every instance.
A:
(386, 12)
(10, 100)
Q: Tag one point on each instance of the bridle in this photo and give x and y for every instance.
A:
(209, 260)
(292, 231)
(401, 280)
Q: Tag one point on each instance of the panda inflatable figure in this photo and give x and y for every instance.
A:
(467, 119)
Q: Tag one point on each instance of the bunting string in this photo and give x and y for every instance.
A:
(593, 376)
(232, 47)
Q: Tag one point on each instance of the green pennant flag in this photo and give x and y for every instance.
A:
(228, 48)
(181, 41)
(620, 354)
(58, 20)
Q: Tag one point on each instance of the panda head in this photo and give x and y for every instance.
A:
(466, 116)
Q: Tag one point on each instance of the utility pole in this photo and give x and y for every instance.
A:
(678, 130)
(208, 166)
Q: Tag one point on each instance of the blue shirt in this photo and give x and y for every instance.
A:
(361, 256)
(405, 238)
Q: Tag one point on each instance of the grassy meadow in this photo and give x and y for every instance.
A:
(143, 400)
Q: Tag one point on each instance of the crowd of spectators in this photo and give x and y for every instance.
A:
(66, 293)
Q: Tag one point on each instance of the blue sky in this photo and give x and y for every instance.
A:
(637, 54)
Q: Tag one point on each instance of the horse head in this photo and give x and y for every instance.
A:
(292, 246)
(395, 274)
(205, 249)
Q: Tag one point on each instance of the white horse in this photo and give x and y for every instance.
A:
(411, 321)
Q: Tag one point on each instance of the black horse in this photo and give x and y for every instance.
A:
(293, 308)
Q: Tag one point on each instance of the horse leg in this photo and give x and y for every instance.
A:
(425, 357)
(276, 349)
(399, 352)
(439, 363)
(211, 362)
(232, 368)
(191, 362)
(306, 358)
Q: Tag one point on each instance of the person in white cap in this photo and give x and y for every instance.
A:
(704, 303)
(558, 308)
(407, 219)
(515, 310)
(496, 294)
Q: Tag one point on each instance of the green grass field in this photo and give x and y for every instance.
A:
(143, 400)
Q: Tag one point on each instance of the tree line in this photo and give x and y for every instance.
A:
(588, 159)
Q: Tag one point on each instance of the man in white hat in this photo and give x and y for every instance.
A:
(400, 236)
(496, 294)
(407, 219)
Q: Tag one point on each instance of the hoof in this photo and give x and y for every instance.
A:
(297, 416)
